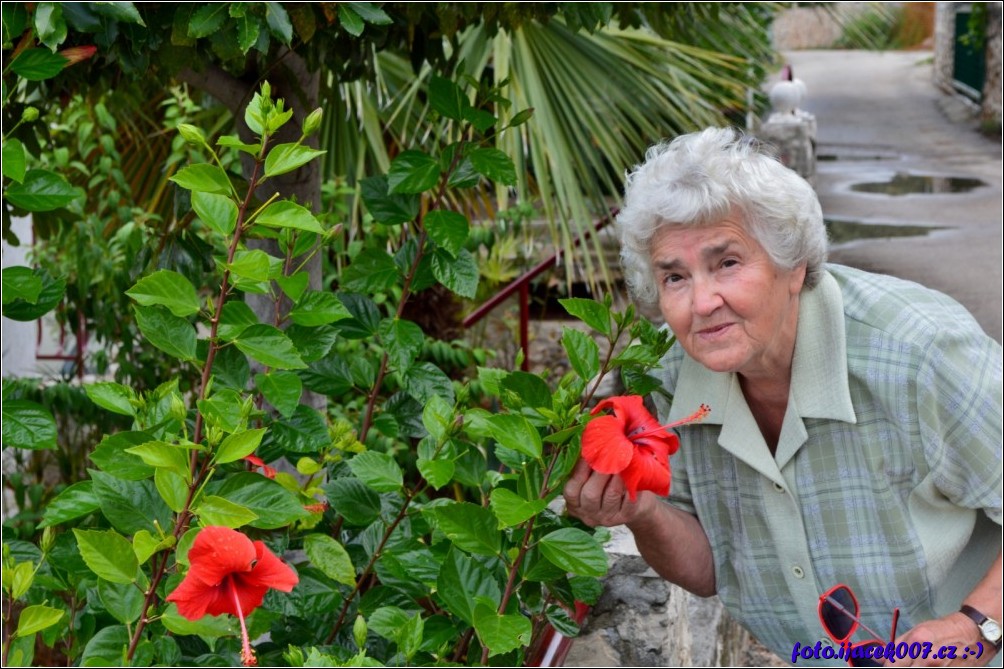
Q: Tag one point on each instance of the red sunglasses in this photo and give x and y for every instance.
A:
(838, 613)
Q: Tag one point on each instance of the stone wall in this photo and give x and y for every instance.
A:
(990, 111)
(811, 27)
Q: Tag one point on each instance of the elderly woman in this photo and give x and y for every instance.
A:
(855, 426)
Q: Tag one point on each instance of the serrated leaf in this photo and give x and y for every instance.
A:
(318, 308)
(424, 380)
(447, 98)
(305, 432)
(459, 274)
(470, 527)
(448, 229)
(27, 424)
(412, 172)
(350, 498)
(161, 454)
(371, 13)
(21, 283)
(48, 297)
(379, 471)
(574, 551)
(131, 506)
(171, 334)
(235, 317)
(144, 545)
(493, 164)
(403, 340)
(166, 288)
(239, 445)
(38, 64)
(278, 22)
(583, 352)
(216, 510)
(112, 396)
(331, 558)
(248, 30)
(108, 554)
(41, 190)
(36, 618)
(270, 346)
(14, 160)
(75, 501)
(515, 432)
(217, 211)
(172, 488)
(203, 178)
(108, 646)
(274, 505)
(462, 582)
(286, 214)
(110, 456)
(511, 509)
(207, 19)
(285, 158)
(281, 389)
(501, 633)
(210, 627)
(350, 20)
(437, 417)
(387, 208)
(373, 270)
(234, 142)
(594, 314)
(123, 600)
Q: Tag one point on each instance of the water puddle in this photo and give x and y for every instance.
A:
(912, 184)
(846, 231)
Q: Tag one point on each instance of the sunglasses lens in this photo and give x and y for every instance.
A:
(833, 611)
(866, 661)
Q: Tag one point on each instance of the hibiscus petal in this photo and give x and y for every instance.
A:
(270, 571)
(191, 596)
(251, 595)
(646, 472)
(221, 601)
(218, 551)
(604, 445)
(632, 409)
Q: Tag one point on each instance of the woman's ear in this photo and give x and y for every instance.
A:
(797, 279)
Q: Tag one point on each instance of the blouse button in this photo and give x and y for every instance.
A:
(778, 487)
(797, 571)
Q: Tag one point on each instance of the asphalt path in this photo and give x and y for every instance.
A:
(880, 115)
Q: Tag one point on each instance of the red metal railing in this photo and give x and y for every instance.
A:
(522, 285)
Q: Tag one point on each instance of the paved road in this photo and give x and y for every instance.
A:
(880, 114)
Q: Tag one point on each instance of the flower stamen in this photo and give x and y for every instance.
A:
(247, 653)
(695, 417)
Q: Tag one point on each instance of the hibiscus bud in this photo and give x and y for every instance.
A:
(29, 114)
(191, 134)
(178, 410)
(75, 54)
(359, 631)
(313, 122)
(48, 537)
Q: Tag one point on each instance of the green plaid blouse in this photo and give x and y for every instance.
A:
(889, 451)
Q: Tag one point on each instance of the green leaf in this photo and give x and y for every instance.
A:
(130, 506)
(210, 627)
(36, 618)
(530, 391)
(448, 229)
(574, 551)
(459, 274)
(144, 545)
(203, 178)
(462, 581)
(594, 314)
(15, 20)
(387, 208)
(217, 211)
(27, 424)
(318, 308)
(371, 13)
(583, 352)
(280, 389)
(123, 600)
(438, 417)
(238, 445)
(437, 473)
(248, 30)
(350, 498)
(41, 190)
(501, 633)
(379, 471)
(235, 317)
(171, 334)
(161, 454)
(207, 19)
(270, 346)
(511, 509)
(112, 396)
(172, 488)
(403, 341)
(274, 505)
(48, 297)
(424, 380)
(215, 510)
(294, 285)
(108, 554)
(166, 288)
(350, 20)
(447, 98)
(521, 117)
(223, 409)
(278, 21)
(372, 271)
(331, 558)
(253, 265)
(21, 283)
(305, 432)
(234, 142)
(470, 527)
(286, 214)
(75, 501)
(38, 64)
(14, 160)
(285, 158)
(493, 164)
(515, 432)
(481, 120)
(111, 457)
(412, 172)
(107, 648)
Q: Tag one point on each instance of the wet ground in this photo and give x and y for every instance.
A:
(909, 185)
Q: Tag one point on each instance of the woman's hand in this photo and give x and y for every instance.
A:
(953, 631)
(602, 500)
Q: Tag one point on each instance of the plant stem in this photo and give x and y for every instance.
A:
(605, 369)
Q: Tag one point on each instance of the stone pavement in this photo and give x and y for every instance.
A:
(879, 115)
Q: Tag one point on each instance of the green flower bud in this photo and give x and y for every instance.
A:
(191, 134)
(359, 631)
(313, 122)
(29, 114)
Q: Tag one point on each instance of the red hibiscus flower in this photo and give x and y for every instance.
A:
(230, 574)
(267, 471)
(631, 443)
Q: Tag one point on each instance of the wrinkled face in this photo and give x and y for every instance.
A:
(730, 307)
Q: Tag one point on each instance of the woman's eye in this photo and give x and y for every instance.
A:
(730, 262)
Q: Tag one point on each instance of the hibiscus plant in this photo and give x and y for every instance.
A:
(413, 520)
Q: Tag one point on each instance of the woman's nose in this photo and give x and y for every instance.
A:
(706, 297)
